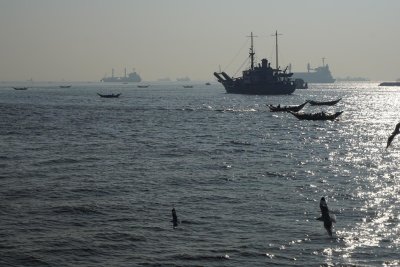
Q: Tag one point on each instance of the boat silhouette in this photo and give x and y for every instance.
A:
(109, 95)
(390, 84)
(300, 84)
(324, 103)
(259, 79)
(279, 108)
(320, 116)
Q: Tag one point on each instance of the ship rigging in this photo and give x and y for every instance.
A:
(259, 80)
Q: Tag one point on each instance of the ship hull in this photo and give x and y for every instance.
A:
(311, 77)
(260, 89)
(259, 79)
(131, 78)
(120, 79)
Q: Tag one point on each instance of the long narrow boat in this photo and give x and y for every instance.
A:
(326, 103)
(286, 108)
(390, 83)
(20, 88)
(320, 116)
(110, 95)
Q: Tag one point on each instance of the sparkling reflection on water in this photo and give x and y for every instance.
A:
(245, 181)
(372, 220)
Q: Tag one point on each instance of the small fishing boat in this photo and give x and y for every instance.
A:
(142, 86)
(326, 103)
(65, 86)
(109, 96)
(300, 84)
(286, 108)
(320, 116)
(20, 88)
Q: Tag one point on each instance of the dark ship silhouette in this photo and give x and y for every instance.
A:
(131, 77)
(260, 79)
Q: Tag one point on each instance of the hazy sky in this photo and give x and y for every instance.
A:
(81, 40)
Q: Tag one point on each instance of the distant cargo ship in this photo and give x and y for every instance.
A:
(131, 77)
(320, 74)
(183, 79)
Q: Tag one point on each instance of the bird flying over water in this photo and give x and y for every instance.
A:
(394, 133)
(325, 217)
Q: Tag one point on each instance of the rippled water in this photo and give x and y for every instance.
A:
(87, 181)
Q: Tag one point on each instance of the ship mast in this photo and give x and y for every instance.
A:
(251, 52)
(276, 47)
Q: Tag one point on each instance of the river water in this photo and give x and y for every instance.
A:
(89, 181)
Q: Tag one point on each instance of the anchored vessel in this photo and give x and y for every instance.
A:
(131, 77)
(321, 74)
(259, 80)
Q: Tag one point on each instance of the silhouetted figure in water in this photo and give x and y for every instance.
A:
(395, 132)
(325, 217)
(174, 218)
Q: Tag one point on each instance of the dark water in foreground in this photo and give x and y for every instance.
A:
(87, 181)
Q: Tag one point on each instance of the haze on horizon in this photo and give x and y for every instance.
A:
(82, 40)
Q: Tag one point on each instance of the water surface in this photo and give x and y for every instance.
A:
(88, 181)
